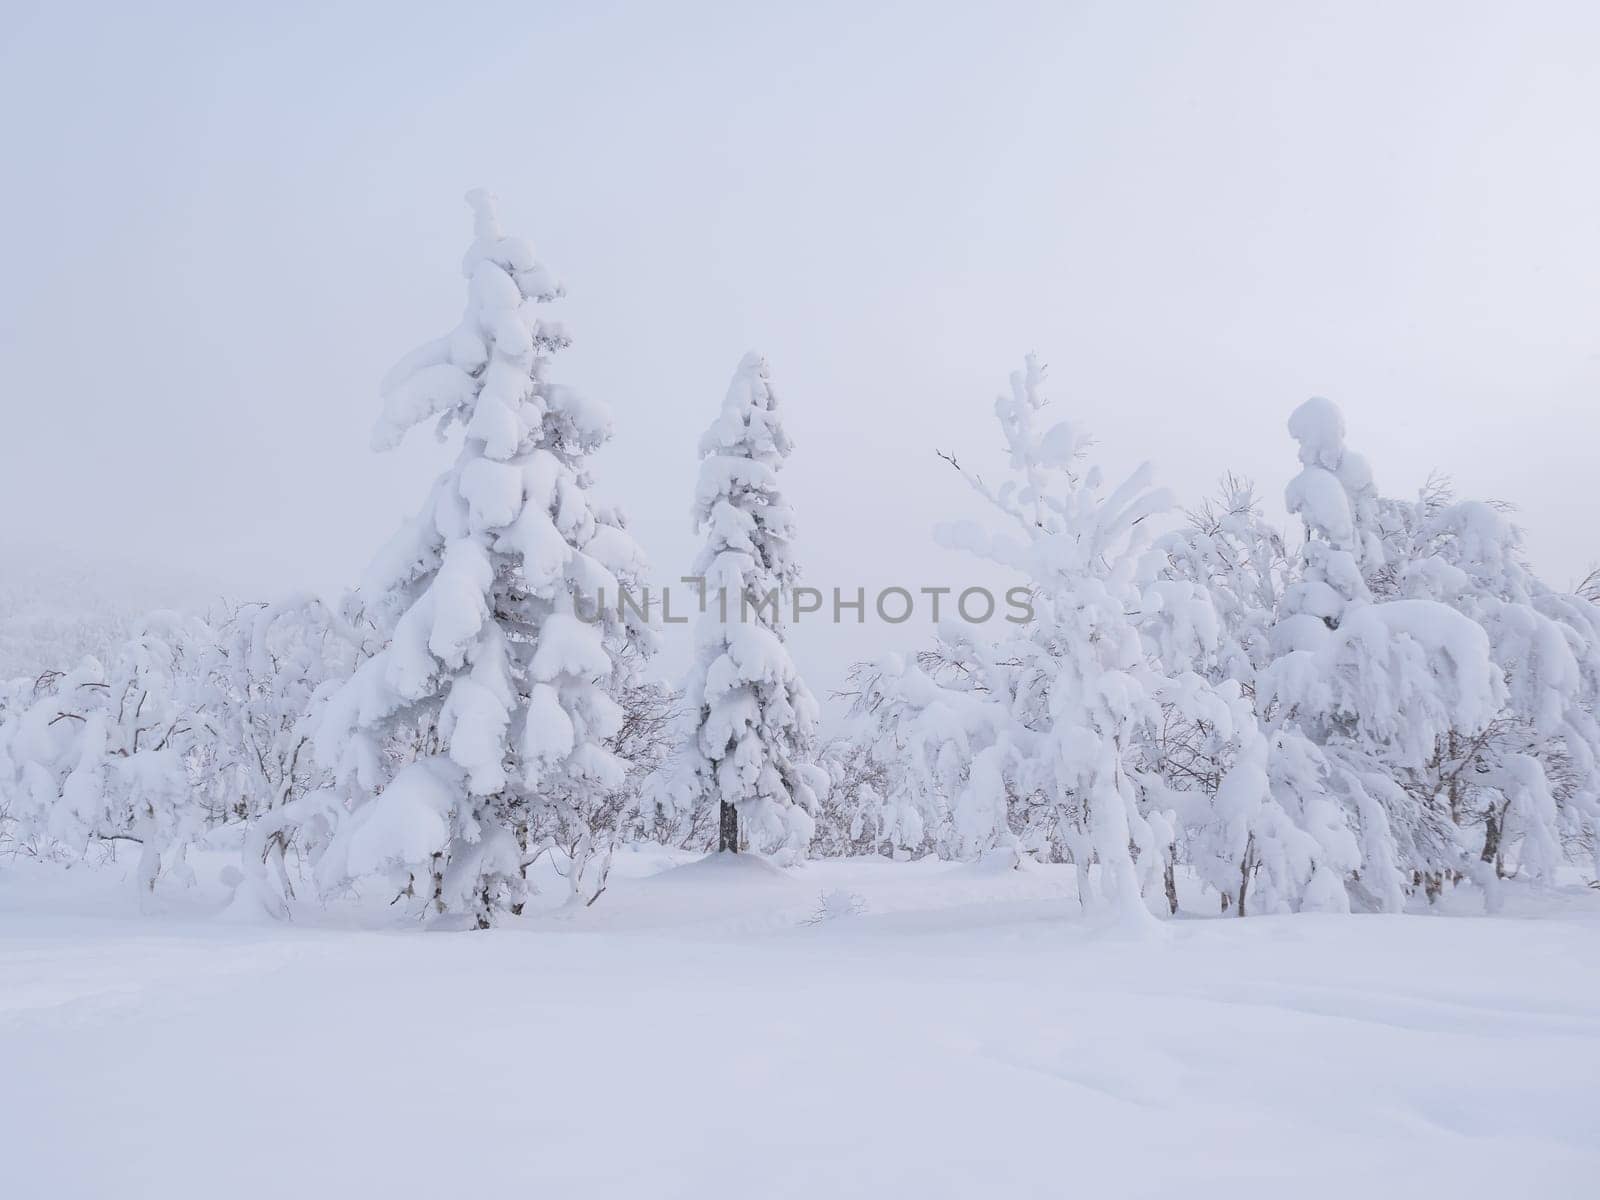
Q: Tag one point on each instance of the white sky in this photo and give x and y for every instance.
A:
(222, 223)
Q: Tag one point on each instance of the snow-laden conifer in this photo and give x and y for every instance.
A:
(486, 718)
(749, 733)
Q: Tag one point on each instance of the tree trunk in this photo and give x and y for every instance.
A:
(728, 829)
(1455, 781)
(1491, 836)
(1247, 868)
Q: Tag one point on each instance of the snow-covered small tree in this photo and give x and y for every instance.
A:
(749, 733)
(1419, 685)
(255, 691)
(1282, 846)
(868, 809)
(51, 750)
(488, 717)
(1526, 779)
(934, 716)
(1375, 684)
(1045, 731)
(254, 681)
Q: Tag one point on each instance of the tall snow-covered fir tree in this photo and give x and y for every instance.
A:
(749, 722)
(487, 715)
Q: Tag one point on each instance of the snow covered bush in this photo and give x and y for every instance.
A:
(482, 732)
(749, 734)
(196, 725)
(99, 757)
(869, 807)
(256, 679)
(651, 716)
(264, 673)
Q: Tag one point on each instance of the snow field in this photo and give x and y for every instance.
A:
(699, 1032)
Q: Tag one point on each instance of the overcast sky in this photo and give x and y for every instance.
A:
(222, 223)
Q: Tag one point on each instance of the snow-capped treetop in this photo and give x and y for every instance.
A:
(1335, 497)
(738, 504)
(1069, 523)
(487, 374)
(749, 425)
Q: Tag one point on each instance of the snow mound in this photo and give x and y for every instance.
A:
(721, 868)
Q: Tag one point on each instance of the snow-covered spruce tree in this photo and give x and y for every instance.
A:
(749, 732)
(487, 718)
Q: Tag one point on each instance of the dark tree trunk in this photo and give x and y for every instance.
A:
(728, 829)
(1455, 782)
(1491, 836)
(1170, 878)
(1247, 868)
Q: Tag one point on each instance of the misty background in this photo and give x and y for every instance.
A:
(222, 223)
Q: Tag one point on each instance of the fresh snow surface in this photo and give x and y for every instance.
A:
(847, 1028)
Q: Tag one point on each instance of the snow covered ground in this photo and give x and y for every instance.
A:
(942, 1030)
